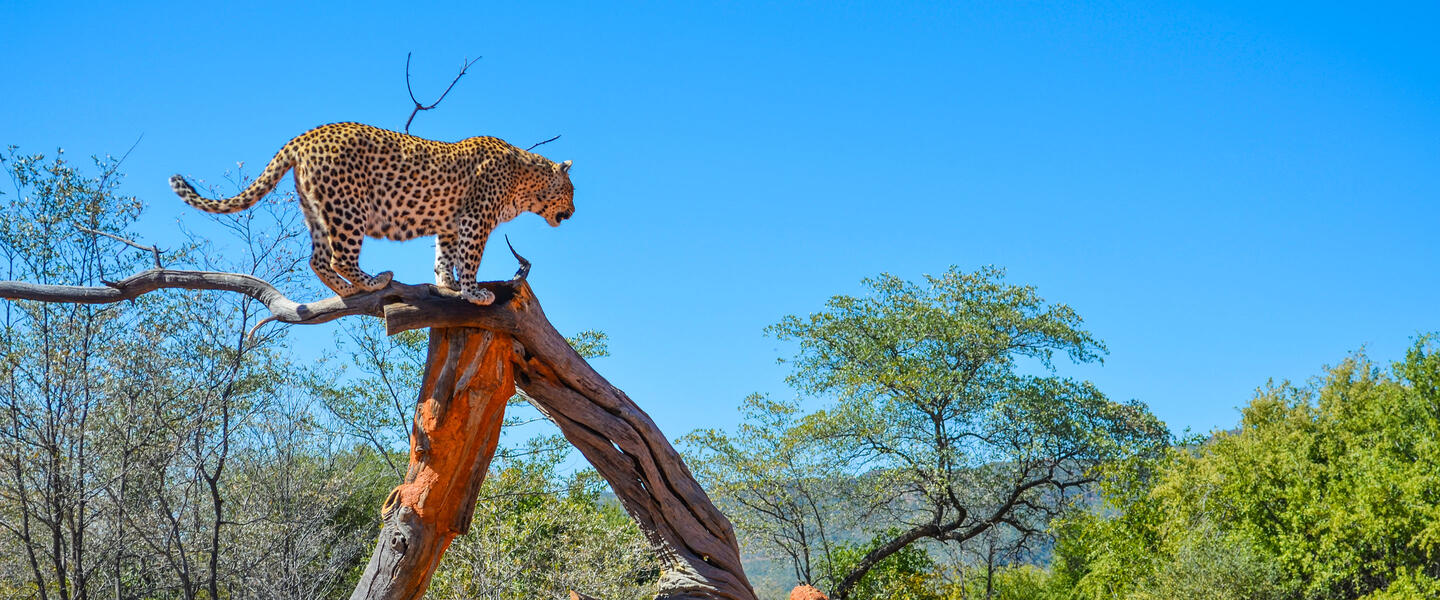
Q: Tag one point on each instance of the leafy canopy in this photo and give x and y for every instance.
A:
(1330, 490)
(945, 419)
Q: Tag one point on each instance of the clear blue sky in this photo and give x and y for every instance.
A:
(1226, 192)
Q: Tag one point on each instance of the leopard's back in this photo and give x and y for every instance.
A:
(390, 184)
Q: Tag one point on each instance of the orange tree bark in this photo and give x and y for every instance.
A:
(693, 540)
(468, 379)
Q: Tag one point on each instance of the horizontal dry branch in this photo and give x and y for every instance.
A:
(281, 308)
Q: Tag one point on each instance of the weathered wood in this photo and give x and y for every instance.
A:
(281, 308)
(468, 379)
(694, 541)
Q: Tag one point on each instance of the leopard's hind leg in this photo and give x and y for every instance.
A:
(320, 263)
(346, 232)
(345, 260)
(320, 254)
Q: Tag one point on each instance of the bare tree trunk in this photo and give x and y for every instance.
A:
(990, 574)
(468, 379)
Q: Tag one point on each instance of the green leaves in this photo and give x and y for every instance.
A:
(925, 377)
(1326, 491)
(910, 574)
(50, 199)
(958, 331)
(591, 343)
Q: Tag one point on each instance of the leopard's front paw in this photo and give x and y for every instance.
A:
(481, 297)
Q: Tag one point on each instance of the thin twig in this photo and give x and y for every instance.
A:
(116, 166)
(418, 106)
(539, 144)
(152, 249)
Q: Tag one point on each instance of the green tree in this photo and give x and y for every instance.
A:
(375, 402)
(56, 363)
(945, 401)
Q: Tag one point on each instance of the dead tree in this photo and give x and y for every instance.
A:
(477, 356)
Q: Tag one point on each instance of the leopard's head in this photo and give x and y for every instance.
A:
(557, 198)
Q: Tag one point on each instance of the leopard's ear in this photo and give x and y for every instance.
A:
(565, 166)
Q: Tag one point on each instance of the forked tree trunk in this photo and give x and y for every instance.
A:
(694, 542)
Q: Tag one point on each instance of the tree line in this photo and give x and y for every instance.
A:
(942, 467)
(161, 449)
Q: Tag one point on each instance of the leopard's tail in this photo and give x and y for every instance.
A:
(246, 199)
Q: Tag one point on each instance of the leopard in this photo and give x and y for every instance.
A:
(354, 180)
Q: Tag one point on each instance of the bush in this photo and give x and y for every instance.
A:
(1326, 491)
